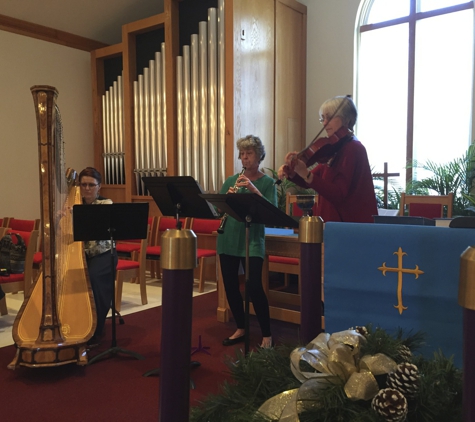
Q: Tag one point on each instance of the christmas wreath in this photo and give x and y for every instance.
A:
(358, 375)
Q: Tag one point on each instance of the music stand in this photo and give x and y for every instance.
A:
(250, 208)
(179, 196)
(111, 222)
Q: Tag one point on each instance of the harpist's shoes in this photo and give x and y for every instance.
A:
(232, 341)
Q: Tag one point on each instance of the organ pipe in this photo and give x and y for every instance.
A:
(200, 95)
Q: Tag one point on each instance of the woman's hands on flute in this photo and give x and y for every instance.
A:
(244, 182)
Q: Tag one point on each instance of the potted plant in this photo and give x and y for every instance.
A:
(455, 176)
(287, 186)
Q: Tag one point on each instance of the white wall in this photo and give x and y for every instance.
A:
(330, 51)
(25, 62)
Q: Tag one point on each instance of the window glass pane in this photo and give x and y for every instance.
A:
(384, 10)
(443, 87)
(382, 98)
(426, 5)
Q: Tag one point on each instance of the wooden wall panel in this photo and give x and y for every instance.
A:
(253, 39)
(290, 75)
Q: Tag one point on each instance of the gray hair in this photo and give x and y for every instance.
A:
(346, 110)
(254, 142)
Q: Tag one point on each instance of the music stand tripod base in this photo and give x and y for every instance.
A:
(111, 222)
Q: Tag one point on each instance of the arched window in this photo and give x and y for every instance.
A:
(414, 81)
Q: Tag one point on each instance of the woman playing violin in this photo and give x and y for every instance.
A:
(343, 177)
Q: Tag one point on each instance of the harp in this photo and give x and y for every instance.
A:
(58, 315)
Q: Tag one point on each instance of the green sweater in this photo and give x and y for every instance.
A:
(233, 240)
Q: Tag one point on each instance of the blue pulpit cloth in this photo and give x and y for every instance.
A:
(365, 263)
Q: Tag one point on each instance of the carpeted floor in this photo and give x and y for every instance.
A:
(115, 389)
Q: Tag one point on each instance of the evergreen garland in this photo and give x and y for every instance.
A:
(264, 373)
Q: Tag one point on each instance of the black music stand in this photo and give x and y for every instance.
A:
(250, 208)
(179, 196)
(111, 222)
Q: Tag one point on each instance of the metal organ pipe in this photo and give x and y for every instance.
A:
(179, 114)
(164, 110)
(153, 129)
(114, 131)
(221, 171)
(212, 100)
(146, 121)
(203, 89)
(195, 109)
(200, 113)
(158, 111)
(136, 133)
(112, 121)
(139, 143)
(187, 111)
(105, 140)
(120, 122)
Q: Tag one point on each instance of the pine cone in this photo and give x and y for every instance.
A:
(360, 329)
(405, 379)
(390, 404)
(405, 353)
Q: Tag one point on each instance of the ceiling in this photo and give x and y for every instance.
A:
(99, 20)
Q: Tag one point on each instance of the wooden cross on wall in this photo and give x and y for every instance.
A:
(385, 177)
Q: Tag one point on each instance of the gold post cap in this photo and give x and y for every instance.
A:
(178, 250)
(311, 230)
(467, 279)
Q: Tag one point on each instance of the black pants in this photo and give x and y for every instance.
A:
(102, 275)
(229, 270)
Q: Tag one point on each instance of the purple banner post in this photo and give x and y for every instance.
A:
(468, 365)
(466, 299)
(310, 291)
(311, 239)
(177, 302)
(178, 259)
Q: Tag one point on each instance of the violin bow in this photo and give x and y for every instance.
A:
(279, 181)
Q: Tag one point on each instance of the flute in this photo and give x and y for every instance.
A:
(224, 218)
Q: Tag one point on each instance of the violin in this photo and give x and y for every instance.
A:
(320, 150)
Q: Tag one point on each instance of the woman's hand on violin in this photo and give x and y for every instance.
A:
(290, 159)
(295, 165)
(285, 172)
(300, 168)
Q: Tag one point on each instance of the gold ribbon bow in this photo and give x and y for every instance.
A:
(335, 359)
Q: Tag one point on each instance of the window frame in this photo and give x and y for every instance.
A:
(411, 19)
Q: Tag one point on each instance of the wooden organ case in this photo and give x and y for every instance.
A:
(58, 316)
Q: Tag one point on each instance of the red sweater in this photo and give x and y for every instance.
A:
(345, 188)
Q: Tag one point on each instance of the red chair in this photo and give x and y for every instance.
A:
(132, 269)
(24, 225)
(428, 206)
(126, 248)
(204, 228)
(19, 282)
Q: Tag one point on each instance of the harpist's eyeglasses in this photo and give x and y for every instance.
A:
(88, 185)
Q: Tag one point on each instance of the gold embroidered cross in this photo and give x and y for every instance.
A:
(400, 271)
